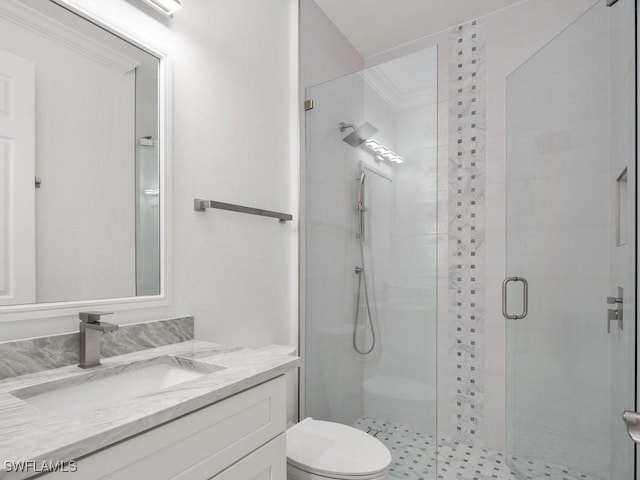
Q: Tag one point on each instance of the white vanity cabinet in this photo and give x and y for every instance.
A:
(238, 438)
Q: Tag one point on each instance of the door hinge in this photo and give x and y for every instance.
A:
(38, 182)
(308, 105)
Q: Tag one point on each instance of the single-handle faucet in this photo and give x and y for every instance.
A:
(91, 329)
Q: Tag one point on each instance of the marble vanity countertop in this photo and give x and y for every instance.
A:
(27, 434)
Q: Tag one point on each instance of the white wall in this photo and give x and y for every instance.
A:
(325, 54)
(235, 139)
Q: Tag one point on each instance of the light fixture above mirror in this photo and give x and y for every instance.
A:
(168, 7)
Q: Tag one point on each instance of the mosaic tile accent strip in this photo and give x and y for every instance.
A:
(417, 456)
(466, 229)
(20, 357)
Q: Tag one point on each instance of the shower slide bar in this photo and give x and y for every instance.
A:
(200, 205)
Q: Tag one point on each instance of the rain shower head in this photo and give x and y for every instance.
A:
(359, 135)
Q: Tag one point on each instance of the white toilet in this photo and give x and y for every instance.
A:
(318, 450)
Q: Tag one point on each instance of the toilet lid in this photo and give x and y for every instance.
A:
(335, 450)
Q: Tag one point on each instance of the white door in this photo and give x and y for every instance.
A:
(17, 173)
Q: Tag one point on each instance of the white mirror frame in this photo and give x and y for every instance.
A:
(12, 313)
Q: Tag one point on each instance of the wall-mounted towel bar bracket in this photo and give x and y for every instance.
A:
(200, 205)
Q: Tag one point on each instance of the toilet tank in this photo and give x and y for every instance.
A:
(290, 377)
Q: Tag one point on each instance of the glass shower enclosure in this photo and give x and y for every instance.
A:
(371, 193)
(371, 232)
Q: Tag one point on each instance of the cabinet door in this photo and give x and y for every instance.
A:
(267, 463)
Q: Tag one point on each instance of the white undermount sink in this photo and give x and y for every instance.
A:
(107, 386)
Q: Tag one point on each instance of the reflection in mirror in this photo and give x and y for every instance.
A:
(79, 113)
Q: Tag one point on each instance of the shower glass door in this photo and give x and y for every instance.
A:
(570, 217)
(370, 257)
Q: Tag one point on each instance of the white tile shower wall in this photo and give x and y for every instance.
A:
(378, 222)
(401, 219)
(413, 280)
(414, 236)
(466, 230)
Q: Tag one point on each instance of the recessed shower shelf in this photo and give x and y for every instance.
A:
(200, 205)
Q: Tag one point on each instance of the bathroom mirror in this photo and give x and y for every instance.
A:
(81, 160)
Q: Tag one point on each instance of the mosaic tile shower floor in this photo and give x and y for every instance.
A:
(414, 458)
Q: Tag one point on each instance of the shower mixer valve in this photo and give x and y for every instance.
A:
(616, 314)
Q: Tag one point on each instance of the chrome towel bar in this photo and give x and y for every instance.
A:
(200, 205)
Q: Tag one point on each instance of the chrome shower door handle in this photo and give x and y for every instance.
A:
(632, 421)
(525, 298)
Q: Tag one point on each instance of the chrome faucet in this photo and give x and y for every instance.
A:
(91, 329)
